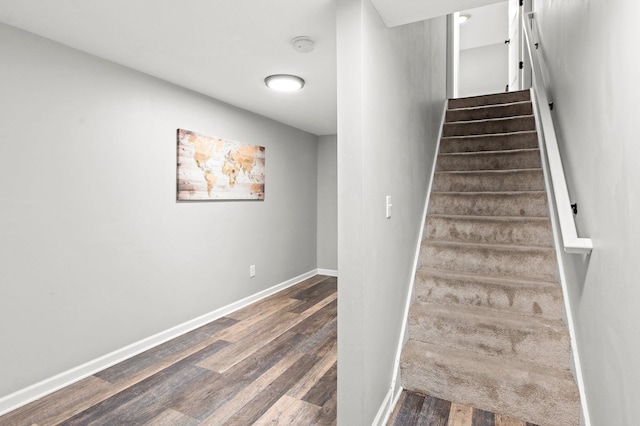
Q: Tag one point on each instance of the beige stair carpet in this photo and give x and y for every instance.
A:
(485, 328)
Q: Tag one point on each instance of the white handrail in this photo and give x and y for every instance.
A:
(572, 243)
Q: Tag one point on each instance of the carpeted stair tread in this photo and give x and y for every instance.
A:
(490, 160)
(505, 230)
(517, 203)
(492, 99)
(486, 112)
(509, 294)
(491, 259)
(491, 333)
(489, 180)
(529, 391)
(485, 327)
(495, 142)
(491, 126)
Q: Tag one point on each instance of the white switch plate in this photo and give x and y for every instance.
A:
(252, 271)
(389, 206)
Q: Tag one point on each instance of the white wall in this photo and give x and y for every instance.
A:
(391, 91)
(590, 47)
(328, 202)
(486, 25)
(95, 252)
(483, 70)
(483, 54)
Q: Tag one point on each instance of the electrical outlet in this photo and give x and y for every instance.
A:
(252, 271)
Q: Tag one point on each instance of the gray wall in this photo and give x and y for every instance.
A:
(591, 50)
(95, 252)
(328, 202)
(391, 91)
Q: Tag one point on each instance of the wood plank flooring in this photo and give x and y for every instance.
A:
(273, 362)
(416, 409)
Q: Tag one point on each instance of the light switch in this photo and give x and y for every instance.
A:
(389, 206)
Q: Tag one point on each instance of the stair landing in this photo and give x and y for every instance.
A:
(416, 409)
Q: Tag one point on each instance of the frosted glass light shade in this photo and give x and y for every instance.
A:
(284, 82)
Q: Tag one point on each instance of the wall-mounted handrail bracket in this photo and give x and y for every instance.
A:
(572, 243)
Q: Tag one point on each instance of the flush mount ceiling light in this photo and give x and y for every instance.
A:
(463, 18)
(284, 82)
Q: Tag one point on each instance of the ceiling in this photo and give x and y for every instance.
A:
(220, 48)
(400, 12)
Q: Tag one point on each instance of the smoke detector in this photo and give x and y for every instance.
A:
(303, 44)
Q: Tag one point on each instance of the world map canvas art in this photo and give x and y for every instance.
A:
(210, 168)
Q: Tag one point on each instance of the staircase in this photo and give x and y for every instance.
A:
(486, 328)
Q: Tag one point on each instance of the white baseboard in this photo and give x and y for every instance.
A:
(38, 390)
(585, 419)
(384, 412)
(386, 409)
(328, 272)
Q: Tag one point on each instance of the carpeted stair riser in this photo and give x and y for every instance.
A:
(533, 204)
(502, 334)
(538, 263)
(498, 142)
(538, 394)
(490, 160)
(494, 111)
(497, 125)
(486, 324)
(489, 180)
(499, 98)
(530, 298)
(526, 231)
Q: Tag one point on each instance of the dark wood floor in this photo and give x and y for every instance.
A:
(415, 409)
(271, 363)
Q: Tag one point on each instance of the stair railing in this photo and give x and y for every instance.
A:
(565, 210)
